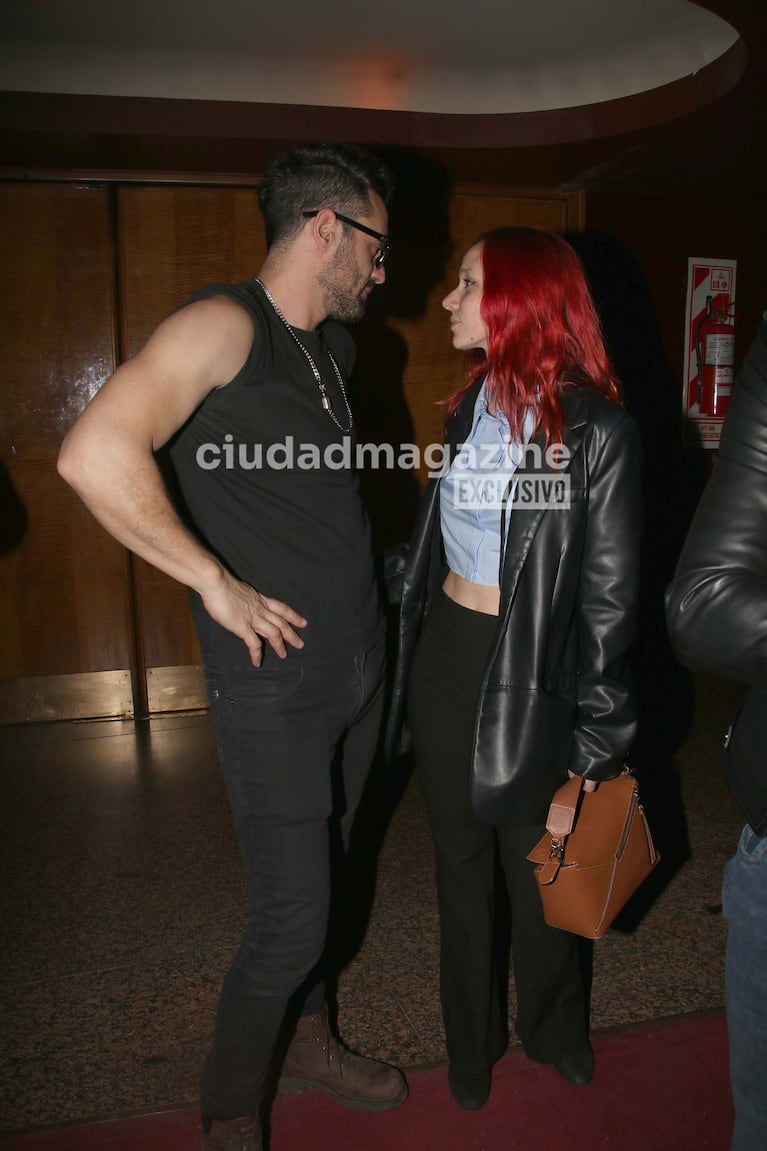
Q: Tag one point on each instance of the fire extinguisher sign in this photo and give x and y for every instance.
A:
(709, 348)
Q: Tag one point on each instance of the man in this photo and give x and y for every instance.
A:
(276, 551)
(717, 617)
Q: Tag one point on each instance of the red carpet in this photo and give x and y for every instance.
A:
(657, 1088)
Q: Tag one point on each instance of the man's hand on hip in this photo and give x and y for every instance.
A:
(253, 617)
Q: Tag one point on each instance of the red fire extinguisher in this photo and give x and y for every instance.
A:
(715, 354)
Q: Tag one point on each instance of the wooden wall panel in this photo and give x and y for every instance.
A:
(64, 594)
(172, 241)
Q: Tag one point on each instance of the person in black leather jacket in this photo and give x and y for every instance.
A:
(717, 617)
(518, 607)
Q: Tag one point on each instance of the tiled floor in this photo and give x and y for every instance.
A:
(122, 899)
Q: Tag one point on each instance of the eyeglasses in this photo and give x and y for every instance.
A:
(380, 257)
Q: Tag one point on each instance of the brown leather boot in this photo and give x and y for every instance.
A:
(231, 1134)
(318, 1061)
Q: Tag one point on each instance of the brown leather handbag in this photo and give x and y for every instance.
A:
(597, 851)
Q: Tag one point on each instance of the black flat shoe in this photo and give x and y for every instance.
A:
(577, 1066)
(470, 1089)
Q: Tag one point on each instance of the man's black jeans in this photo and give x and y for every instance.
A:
(296, 739)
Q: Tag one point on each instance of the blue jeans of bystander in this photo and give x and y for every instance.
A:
(745, 909)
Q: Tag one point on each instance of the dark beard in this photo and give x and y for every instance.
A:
(346, 310)
(340, 302)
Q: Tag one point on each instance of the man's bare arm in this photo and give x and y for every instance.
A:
(108, 458)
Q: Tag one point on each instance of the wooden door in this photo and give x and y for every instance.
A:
(65, 629)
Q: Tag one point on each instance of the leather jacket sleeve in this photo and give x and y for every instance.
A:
(394, 563)
(607, 606)
(716, 605)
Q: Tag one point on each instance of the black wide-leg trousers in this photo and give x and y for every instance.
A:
(551, 1000)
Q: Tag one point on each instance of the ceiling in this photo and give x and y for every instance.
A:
(641, 94)
(476, 57)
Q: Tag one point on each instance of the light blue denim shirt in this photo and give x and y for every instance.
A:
(474, 491)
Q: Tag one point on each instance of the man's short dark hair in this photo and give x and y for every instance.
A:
(312, 176)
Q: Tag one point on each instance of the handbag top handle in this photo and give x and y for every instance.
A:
(564, 808)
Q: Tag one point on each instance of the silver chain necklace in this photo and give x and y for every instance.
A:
(327, 406)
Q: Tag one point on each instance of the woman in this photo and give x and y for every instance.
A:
(518, 607)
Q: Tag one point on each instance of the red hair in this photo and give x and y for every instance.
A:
(543, 331)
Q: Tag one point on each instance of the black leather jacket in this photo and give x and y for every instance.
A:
(716, 605)
(556, 693)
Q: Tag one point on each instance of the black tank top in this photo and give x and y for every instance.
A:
(260, 483)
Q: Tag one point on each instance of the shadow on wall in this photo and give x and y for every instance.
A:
(673, 481)
(420, 228)
(13, 517)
